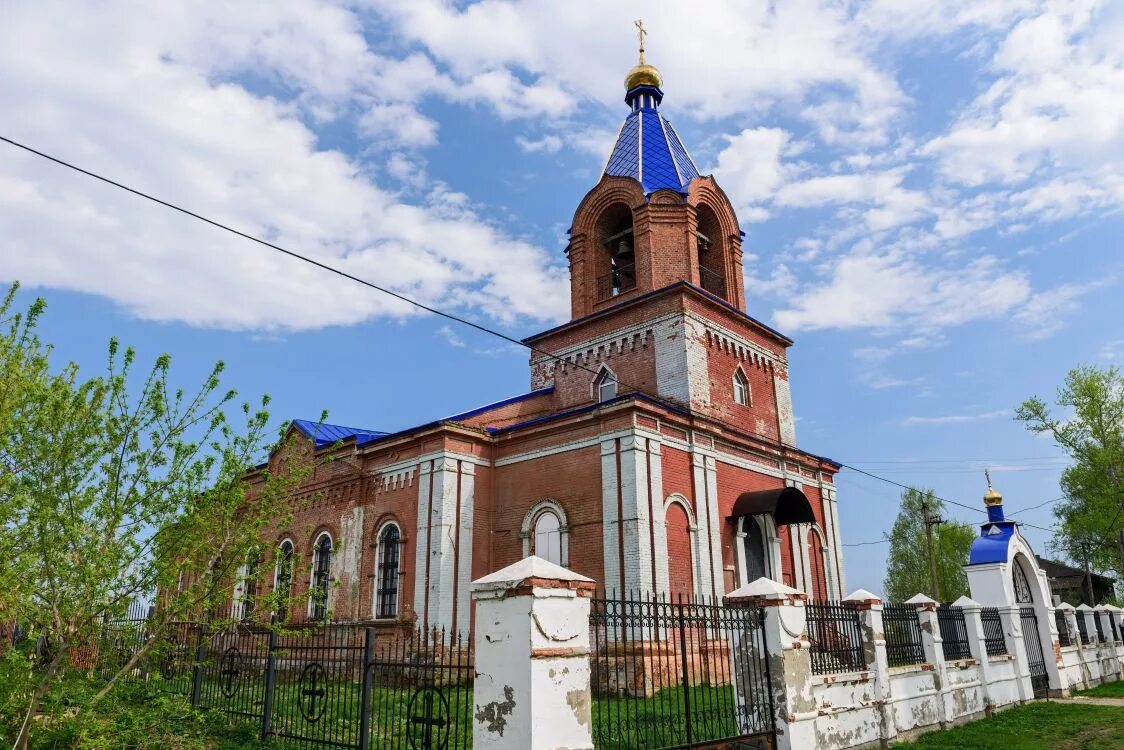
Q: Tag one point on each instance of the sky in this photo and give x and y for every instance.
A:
(931, 195)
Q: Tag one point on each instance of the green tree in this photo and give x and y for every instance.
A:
(907, 570)
(116, 490)
(1090, 429)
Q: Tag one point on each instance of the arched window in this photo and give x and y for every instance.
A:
(283, 579)
(617, 266)
(1022, 585)
(742, 394)
(386, 580)
(605, 385)
(711, 254)
(545, 534)
(245, 588)
(547, 540)
(321, 577)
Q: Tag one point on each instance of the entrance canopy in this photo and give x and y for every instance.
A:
(788, 505)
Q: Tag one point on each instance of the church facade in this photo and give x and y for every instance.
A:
(654, 452)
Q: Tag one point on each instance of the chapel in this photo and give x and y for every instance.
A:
(655, 450)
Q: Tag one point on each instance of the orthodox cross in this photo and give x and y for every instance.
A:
(428, 720)
(987, 475)
(313, 693)
(641, 32)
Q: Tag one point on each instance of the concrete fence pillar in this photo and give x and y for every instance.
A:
(869, 607)
(532, 687)
(1092, 652)
(1111, 661)
(790, 664)
(1075, 634)
(933, 644)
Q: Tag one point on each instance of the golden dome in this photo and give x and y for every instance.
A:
(643, 75)
(992, 496)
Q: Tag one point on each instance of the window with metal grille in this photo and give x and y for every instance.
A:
(1065, 635)
(386, 587)
(954, 632)
(994, 639)
(902, 630)
(1083, 628)
(835, 638)
(321, 577)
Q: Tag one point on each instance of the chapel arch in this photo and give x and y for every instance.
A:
(711, 252)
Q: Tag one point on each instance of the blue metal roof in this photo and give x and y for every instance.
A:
(992, 543)
(648, 149)
(327, 434)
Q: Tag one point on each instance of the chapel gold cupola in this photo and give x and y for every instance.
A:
(652, 220)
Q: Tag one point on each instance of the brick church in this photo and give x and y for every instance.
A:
(655, 451)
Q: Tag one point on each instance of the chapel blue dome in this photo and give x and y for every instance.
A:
(648, 149)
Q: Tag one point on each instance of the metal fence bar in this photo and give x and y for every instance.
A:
(1100, 628)
(835, 638)
(994, 640)
(1083, 628)
(1065, 634)
(902, 627)
(954, 632)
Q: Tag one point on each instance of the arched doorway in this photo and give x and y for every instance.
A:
(680, 551)
(753, 543)
(1032, 638)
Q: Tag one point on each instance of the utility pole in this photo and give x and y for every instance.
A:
(930, 522)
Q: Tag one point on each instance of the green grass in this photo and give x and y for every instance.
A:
(658, 721)
(1036, 726)
(1107, 690)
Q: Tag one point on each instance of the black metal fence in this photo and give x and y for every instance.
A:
(1083, 628)
(335, 685)
(902, 629)
(678, 673)
(954, 633)
(1100, 627)
(1115, 628)
(1065, 634)
(995, 641)
(835, 638)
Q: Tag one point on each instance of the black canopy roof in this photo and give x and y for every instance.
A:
(787, 504)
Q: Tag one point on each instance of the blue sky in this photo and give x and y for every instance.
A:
(931, 194)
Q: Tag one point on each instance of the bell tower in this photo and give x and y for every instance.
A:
(656, 286)
(652, 219)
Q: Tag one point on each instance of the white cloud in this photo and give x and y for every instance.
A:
(956, 418)
(770, 53)
(1045, 313)
(548, 144)
(887, 291)
(446, 332)
(1057, 104)
(150, 97)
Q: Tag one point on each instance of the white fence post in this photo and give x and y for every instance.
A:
(869, 607)
(532, 688)
(933, 644)
(790, 665)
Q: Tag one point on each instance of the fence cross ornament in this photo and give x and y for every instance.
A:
(434, 723)
(230, 672)
(312, 703)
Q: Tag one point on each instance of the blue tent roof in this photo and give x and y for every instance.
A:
(327, 434)
(648, 149)
(992, 543)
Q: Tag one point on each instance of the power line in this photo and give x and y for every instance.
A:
(378, 288)
(865, 544)
(305, 258)
(943, 500)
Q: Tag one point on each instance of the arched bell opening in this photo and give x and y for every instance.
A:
(616, 256)
(710, 246)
